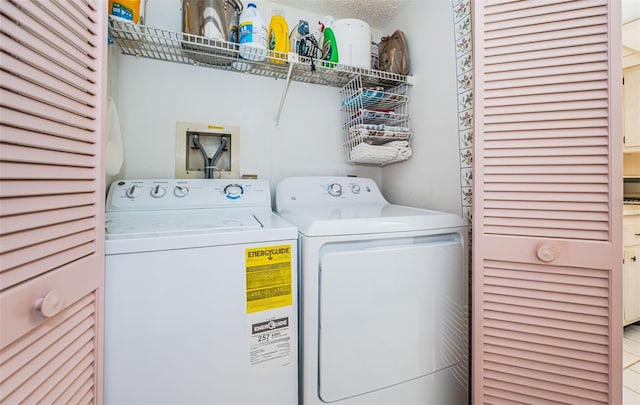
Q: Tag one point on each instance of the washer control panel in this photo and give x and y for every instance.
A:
(318, 191)
(187, 194)
(349, 188)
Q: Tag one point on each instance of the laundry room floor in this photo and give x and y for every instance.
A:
(631, 364)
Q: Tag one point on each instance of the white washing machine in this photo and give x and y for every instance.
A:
(383, 295)
(200, 294)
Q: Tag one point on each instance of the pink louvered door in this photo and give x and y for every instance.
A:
(52, 75)
(547, 203)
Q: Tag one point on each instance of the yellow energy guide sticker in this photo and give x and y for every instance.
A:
(268, 277)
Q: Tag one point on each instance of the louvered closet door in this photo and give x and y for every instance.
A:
(52, 80)
(547, 203)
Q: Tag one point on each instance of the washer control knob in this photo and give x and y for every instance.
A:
(180, 190)
(233, 191)
(133, 191)
(158, 191)
(355, 189)
(335, 189)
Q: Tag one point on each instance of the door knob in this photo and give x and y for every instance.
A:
(50, 304)
(546, 254)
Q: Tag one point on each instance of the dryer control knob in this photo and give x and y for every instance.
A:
(355, 189)
(233, 191)
(180, 190)
(158, 191)
(335, 189)
(133, 191)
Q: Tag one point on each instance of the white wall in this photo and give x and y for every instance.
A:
(153, 95)
(431, 178)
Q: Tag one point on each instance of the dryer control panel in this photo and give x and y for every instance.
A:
(132, 195)
(294, 192)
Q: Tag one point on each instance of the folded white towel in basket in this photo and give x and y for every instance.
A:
(390, 151)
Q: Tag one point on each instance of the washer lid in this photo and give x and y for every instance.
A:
(363, 219)
(130, 232)
(126, 225)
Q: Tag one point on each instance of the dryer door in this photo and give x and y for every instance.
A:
(388, 313)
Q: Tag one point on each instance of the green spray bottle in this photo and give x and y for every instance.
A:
(329, 46)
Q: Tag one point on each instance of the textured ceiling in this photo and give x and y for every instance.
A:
(377, 13)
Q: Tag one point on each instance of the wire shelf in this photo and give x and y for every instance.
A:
(376, 123)
(375, 99)
(389, 117)
(156, 43)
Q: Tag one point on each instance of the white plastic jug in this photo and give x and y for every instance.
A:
(253, 34)
(353, 38)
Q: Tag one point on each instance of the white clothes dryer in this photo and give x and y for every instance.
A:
(200, 294)
(383, 295)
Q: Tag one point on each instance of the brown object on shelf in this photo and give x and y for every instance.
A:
(393, 54)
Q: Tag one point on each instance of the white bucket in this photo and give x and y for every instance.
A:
(353, 38)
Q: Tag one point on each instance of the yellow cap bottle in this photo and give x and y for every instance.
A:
(125, 9)
(278, 38)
